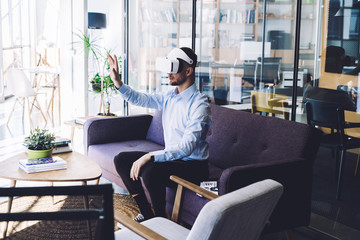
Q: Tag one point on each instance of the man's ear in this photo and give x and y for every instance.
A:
(189, 71)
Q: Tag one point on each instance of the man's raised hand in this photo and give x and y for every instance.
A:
(114, 71)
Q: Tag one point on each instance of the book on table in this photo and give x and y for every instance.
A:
(59, 141)
(62, 149)
(62, 145)
(42, 164)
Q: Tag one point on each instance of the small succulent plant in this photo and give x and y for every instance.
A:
(40, 139)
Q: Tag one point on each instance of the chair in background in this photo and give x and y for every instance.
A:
(241, 214)
(331, 115)
(264, 102)
(267, 71)
(336, 59)
(104, 216)
(20, 86)
(220, 95)
(353, 92)
(249, 70)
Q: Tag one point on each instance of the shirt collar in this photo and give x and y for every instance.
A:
(187, 93)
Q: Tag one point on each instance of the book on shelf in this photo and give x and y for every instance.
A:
(82, 120)
(42, 164)
(210, 186)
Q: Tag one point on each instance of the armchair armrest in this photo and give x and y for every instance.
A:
(106, 130)
(136, 227)
(179, 192)
(147, 233)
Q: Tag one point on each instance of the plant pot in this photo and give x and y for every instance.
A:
(34, 154)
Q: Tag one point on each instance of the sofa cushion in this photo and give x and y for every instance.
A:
(104, 154)
(239, 138)
(155, 132)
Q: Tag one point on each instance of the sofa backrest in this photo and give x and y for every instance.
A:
(239, 138)
(155, 132)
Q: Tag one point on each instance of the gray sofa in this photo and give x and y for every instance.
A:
(244, 148)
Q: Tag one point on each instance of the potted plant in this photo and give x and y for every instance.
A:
(101, 82)
(40, 143)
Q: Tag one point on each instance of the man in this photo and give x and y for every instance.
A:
(186, 120)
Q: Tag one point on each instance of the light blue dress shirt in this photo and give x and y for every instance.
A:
(186, 120)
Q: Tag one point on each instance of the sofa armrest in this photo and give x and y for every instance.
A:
(106, 130)
(296, 177)
(240, 176)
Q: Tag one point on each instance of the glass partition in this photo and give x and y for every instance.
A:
(246, 51)
(154, 31)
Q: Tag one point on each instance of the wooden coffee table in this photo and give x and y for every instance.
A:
(80, 168)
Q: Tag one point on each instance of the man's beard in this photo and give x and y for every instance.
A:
(177, 82)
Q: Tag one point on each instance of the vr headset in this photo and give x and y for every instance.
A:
(171, 63)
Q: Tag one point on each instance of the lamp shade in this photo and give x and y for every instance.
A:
(96, 20)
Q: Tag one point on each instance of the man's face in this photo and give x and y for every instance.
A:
(176, 79)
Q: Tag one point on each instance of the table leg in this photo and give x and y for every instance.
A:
(51, 103)
(72, 134)
(53, 197)
(86, 204)
(12, 184)
(58, 89)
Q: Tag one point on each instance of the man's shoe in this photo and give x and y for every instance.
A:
(139, 218)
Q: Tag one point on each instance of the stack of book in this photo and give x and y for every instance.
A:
(82, 120)
(42, 164)
(62, 145)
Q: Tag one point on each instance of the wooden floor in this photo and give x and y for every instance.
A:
(12, 137)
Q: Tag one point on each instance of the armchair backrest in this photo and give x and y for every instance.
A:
(241, 214)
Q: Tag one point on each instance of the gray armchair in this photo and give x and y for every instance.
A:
(241, 214)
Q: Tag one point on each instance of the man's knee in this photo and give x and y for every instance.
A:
(151, 173)
(118, 159)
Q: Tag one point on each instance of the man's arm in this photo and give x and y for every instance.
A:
(193, 142)
(130, 95)
(141, 99)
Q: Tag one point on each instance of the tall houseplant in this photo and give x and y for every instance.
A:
(101, 82)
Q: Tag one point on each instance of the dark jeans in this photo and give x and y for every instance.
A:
(156, 176)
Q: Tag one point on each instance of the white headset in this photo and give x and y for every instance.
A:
(170, 64)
